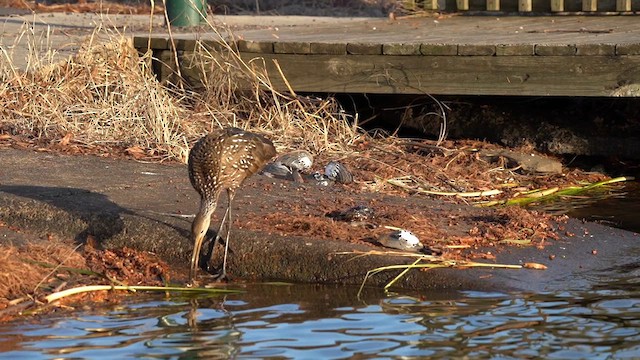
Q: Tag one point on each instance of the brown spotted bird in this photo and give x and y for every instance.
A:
(222, 160)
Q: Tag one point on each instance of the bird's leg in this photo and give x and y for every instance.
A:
(218, 236)
(223, 274)
(212, 247)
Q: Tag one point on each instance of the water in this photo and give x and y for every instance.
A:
(598, 318)
(320, 322)
(620, 210)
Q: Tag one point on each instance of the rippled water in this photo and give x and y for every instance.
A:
(621, 210)
(314, 322)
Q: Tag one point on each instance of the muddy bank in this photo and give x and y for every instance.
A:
(117, 203)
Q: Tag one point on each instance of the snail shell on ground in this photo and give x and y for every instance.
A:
(338, 172)
(402, 240)
(356, 213)
(296, 160)
(276, 170)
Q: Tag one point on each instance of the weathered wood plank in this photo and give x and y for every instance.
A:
(628, 49)
(143, 44)
(525, 5)
(557, 5)
(439, 49)
(555, 49)
(469, 30)
(213, 45)
(493, 5)
(476, 50)
(589, 5)
(623, 5)
(292, 48)
(164, 66)
(156, 43)
(536, 56)
(364, 49)
(595, 49)
(401, 49)
(328, 48)
(265, 47)
(515, 50)
(461, 75)
(462, 5)
(184, 44)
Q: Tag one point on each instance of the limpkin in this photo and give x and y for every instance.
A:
(222, 159)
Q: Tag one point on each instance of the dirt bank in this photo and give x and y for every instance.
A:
(118, 203)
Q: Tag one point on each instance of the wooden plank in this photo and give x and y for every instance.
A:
(468, 30)
(439, 49)
(628, 49)
(265, 47)
(401, 49)
(212, 45)
(515, 50)
(589, 5)
(462, 5)
(555, 49)
(595, 49)
(184, 44)
(164, 66)
(364, 49)
(156, 43)
(328, 48)
(623, 5)
(141, 43)
(476, 50)
(292, 48)
(525, 5)
(557, 5)
(430, 4)
(459, 75)
(493, 5)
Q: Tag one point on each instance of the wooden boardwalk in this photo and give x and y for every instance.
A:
(460, 55)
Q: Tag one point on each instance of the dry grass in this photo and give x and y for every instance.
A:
(22, 271)
(107, 95)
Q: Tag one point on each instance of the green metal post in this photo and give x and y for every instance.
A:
(186, 12)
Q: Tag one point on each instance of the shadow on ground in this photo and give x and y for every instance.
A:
(103, 218)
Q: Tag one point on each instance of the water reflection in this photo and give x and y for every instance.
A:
(330, 322)
(616, 206)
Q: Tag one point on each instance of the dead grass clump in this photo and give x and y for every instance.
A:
(111, 7)
(240, 92)
(453, 170)
(25, 270)
(449, 167)
(106, 95)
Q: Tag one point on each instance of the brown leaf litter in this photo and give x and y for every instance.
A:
(30, 271)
